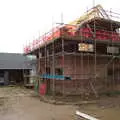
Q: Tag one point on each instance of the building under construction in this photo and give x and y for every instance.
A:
(81, 57)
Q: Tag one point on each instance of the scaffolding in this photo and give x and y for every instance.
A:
(81, 57)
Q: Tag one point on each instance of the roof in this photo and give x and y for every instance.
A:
(13, 61)
(104, 22)
(94, 12)
(99, 15)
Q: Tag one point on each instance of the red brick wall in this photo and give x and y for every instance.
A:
(82, 71)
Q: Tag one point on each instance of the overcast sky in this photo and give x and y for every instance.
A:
(21, 21)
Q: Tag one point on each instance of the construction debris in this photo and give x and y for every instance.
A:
(85, 116)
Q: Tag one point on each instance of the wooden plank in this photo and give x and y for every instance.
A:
(83, 115)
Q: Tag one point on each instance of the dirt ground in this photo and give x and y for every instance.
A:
(107, 108)
(18, 103)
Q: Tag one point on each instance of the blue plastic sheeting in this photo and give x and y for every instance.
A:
(57, 77)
